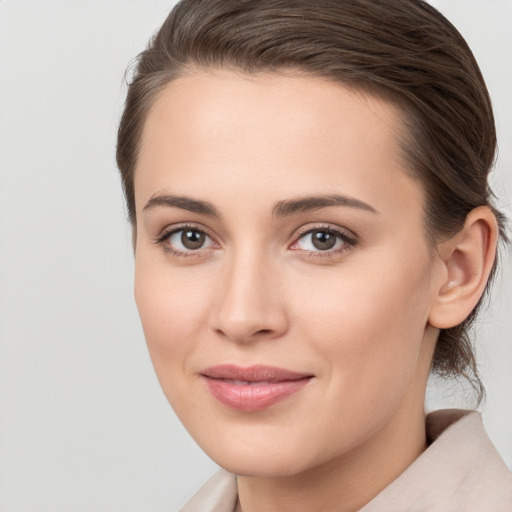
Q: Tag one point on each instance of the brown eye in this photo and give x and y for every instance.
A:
(192, 239)
(323, 240)
(186, 240)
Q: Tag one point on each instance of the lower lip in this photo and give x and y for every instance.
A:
(253, 397)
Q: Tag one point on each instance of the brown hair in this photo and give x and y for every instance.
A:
(403, 50)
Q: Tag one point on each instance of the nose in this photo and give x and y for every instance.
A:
(250, 305)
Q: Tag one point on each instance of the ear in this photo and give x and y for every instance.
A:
(466, 261)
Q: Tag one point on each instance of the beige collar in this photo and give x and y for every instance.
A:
(460, 471)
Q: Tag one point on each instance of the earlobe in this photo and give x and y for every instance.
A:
(467, 259)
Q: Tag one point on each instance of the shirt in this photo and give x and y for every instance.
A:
(460, 471)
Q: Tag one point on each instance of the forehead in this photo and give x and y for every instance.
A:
(273, 134)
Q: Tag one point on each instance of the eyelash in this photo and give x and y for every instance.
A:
(163, 238)
(348, 240)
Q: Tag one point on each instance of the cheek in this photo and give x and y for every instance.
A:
(172, 314)
(366, 330)
(370, 322)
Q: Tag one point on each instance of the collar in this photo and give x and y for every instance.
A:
(460, 470)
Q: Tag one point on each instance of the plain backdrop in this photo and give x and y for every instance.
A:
(84, 426)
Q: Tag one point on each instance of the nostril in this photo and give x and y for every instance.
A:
(246, 335)
(262, 332)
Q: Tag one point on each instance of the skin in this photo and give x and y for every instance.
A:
(362, 318)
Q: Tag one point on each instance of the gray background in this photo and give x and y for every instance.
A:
(83, 423)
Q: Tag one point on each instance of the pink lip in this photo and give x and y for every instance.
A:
(253, 388)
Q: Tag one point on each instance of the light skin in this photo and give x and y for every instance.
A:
(251, 166)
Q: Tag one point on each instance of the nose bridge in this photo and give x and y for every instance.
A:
(249, 303)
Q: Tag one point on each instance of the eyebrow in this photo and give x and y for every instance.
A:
(283, 208)
(185, 203)
(305, 204)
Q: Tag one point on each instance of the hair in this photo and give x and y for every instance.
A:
(404, 51)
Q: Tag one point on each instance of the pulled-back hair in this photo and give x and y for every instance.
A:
(402, 50)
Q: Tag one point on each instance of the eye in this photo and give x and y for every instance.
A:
(188, 239)
(327, 240)
(185, 240)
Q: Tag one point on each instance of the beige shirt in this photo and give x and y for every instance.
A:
(460, 471)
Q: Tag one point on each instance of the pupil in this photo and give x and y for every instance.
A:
(192, 239)
(323, 240)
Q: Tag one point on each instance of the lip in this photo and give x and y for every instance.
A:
(252, 388)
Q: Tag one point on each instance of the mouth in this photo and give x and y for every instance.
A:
(253, 388)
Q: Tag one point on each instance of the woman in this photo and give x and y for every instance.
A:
(314, 232)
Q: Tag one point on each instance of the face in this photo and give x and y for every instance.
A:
(283, 275)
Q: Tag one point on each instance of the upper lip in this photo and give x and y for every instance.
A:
(255, 373)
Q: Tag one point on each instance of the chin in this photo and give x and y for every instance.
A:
(258, 457)
(267, 466)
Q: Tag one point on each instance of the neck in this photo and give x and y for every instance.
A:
(343, 484)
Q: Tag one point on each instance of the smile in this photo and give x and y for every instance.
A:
(253, 388)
